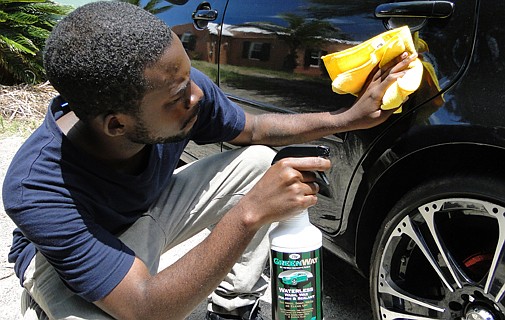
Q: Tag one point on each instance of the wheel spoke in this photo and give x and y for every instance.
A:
(495, 282)
(428, 213)
(443, 260)
(405, 227)
(391, 315)
(387, 286)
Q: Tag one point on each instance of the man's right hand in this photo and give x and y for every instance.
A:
(285, 190)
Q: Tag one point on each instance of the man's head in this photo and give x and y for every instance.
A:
(97, 55)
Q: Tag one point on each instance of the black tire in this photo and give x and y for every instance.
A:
(460, 223)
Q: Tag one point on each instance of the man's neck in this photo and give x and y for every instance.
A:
(114, 152)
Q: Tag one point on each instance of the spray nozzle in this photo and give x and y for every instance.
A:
(300, 151)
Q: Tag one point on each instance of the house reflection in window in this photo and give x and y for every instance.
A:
(313, 58)
(188, 41)
(256, 51)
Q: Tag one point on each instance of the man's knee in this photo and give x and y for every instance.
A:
(259, 157)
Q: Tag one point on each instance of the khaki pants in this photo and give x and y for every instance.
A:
(199, 195)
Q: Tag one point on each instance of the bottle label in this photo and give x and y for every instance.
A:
(296, 281)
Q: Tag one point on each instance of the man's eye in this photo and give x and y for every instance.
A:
(172, 103)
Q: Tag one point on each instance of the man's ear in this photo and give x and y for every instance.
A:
(114, 125)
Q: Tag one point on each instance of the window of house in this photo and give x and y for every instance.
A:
(313, 57)
(188, 41)
(256, 51)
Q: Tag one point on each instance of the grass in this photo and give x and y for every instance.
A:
(17, 127)
(229, 71)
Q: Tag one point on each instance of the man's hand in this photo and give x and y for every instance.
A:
(285, 129)
(366, 111)
(285, 190)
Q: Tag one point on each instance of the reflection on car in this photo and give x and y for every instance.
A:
(418, 203)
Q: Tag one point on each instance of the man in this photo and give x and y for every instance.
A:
(95, 197)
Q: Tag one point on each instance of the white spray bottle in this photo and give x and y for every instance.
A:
(296, 255)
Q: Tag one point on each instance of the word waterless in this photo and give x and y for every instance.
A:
(296, 270)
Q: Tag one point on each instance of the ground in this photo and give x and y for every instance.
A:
(9, 283)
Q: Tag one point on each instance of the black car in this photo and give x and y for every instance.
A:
(417, 203)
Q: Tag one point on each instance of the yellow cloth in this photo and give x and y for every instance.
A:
(349, 69)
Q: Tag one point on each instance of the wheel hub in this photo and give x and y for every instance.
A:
(472, 303)
(478, 306)
(479, 313)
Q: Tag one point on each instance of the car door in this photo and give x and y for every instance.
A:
(270, 61)
(198, 25)
(266, 55)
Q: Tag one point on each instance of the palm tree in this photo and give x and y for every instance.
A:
(299, 32)
(24, 28)
(303, 32)
(151, 6)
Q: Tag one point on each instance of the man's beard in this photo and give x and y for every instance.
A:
(142, 136)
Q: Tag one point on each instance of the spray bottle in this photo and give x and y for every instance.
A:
(296, 255)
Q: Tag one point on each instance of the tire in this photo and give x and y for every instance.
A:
(439, 253)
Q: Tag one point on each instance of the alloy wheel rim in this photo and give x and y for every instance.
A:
(430, 269)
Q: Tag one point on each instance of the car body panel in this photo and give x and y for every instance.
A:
(266, 56)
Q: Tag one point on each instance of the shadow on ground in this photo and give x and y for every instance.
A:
(345, 294)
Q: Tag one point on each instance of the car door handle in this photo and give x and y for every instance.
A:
(206, 15)
(415, 9)
(204, 12)
(202, 15)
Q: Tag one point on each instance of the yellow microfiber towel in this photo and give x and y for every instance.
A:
(349, 69)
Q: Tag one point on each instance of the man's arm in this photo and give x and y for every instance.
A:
(285, 189)
(177, 290)
(284, 129)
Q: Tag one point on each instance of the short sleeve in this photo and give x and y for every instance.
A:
(219, 118)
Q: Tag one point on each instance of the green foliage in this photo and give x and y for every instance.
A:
(152, 6)
(24, 28)
(299, 32)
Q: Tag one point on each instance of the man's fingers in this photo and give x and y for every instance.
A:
(390, 73)
(388, 66)
(395, 67)
(403, 63)
(307, 163)
(314, 188)
(308, 176)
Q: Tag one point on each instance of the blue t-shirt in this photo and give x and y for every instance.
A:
(69, 206)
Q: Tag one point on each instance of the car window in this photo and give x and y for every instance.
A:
(268, 54)
(271, 50)
(270, 61)
(200, 36)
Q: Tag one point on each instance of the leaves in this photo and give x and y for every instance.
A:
(24, 27)
(299, 32)
(152, 6)
(19, 44)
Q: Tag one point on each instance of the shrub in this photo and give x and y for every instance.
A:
(24, 28)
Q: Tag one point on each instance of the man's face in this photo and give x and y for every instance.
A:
(170, 107)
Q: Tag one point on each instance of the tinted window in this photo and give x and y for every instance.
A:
(270, 60)
(202, 45)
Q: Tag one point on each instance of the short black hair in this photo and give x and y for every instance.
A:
(96, 56)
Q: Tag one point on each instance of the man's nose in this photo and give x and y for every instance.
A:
(196, 95)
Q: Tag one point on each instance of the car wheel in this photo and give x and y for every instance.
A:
(439, 253)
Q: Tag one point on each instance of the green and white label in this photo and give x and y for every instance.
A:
(296, 282)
